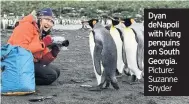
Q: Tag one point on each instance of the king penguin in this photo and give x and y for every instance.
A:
(131, 46)
(104, 55)
(138, 29)
(118, 39)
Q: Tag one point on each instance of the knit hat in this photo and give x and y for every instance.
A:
(45, 12)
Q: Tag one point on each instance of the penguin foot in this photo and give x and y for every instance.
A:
(133, 78)
(119, 76)
(117, 72)
(127, 73)
(136, 81)
(96, 88)
(115, 85)
(107, 85)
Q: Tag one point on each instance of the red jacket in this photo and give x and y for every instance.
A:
(27, 35)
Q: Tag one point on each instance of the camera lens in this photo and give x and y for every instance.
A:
(65, 43)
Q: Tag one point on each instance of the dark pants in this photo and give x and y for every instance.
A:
(45, 75)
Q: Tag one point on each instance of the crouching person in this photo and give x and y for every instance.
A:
(32, 33)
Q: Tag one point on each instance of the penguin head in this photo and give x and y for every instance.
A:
(128, 22)
(115, 21)
(92, 22)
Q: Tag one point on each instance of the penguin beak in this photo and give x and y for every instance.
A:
(121, 21)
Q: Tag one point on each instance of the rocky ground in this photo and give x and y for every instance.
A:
(76, 70)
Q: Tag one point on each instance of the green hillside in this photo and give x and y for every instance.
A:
(89, 8)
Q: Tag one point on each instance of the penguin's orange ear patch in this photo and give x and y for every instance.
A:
(94, 22)
(132, 21)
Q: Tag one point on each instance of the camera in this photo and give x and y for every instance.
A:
(60, 41)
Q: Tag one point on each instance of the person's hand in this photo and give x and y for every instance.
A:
(55, 50)
(47, 40)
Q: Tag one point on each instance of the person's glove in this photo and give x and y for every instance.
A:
(55, 50)
(46, 59)
(47, 40)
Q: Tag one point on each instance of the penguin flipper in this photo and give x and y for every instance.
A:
(140, 50)
(121, 34)
(140, 57)
(124, 57)
(97, 57)
(114, 83)
(136, 36)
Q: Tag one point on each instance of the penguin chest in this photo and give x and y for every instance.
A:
(130, 48)
(129, 39)
(117, 39)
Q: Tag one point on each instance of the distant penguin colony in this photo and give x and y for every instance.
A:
(116, 49)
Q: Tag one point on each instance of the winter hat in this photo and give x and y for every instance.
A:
(45, 12)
